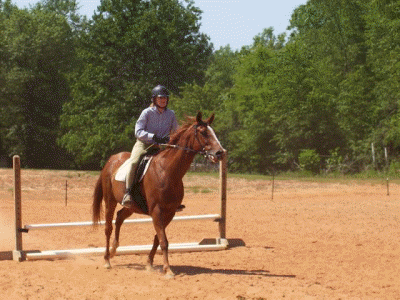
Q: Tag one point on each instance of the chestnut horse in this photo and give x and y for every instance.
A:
(162, 185)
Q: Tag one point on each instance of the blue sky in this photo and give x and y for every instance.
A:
(233, 22)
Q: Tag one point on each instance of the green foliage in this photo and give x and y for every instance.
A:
(214, 96)
(129, 47)
(335, 162)
(309, 160)
(384, 56)
(394, 169)
(210, 96)
(36, 52)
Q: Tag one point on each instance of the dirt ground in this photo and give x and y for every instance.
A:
(311, 241)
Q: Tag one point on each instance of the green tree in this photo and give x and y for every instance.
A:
(302, 109)
(128, 48)
(255, 79)
(384, 56)
(334, 37)
(211, 96)
(333, 28)
(67, 8)
(36, 52)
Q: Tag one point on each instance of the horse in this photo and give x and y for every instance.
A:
(161, 186)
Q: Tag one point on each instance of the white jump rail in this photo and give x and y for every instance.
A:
(213, 217)
(220, 244)
(205, 245)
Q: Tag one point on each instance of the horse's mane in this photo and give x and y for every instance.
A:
(182, 129)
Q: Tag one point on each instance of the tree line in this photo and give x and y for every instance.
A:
(71, 88)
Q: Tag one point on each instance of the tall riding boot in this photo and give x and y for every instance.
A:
(127, 201)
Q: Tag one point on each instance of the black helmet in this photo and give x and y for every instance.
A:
(159, 90)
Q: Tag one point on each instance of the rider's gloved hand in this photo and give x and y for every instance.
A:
(160, 140)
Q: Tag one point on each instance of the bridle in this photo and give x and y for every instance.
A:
(203, 150)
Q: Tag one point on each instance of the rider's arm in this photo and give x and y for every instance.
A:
(140, 129)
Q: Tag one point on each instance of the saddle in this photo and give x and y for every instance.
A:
(142, 167)
(135, 189)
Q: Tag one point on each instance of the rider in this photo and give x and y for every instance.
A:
(154, 126)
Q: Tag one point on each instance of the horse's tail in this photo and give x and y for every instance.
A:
(97, 198)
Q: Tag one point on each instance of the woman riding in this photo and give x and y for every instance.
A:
(154, 126)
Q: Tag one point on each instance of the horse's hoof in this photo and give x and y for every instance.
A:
(107, 265)
(150, 268)
(169, 275)
(113, 250)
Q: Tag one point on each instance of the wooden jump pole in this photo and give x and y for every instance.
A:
(223, 182)
(17, 253)
(273, 185)
(66, 192)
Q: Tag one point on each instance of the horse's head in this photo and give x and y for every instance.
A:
(206, 139)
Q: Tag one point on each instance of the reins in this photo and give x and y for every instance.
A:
(185, 149)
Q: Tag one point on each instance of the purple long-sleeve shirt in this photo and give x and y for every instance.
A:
(151, 122)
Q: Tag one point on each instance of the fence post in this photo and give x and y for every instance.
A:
(223, 181)
(66, 192)
(17, 253)
(373, 154)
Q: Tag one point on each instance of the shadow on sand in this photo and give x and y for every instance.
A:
(193, 270)
(6, 255)
(190, 271)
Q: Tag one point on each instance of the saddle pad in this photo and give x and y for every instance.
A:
(123, 169)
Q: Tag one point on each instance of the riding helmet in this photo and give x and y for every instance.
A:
(159, 91)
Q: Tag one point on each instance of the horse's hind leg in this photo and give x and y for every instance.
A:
(110, 208)
(122, 214)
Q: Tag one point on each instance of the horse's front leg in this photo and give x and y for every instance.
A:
(164, 248)
(160, 222)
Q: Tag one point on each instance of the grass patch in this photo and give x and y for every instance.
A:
(376, 178)
(204, 174)
(67, 173)
(198, 189)
(73, 174)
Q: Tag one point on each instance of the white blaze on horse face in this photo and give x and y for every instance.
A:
(211, 132)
